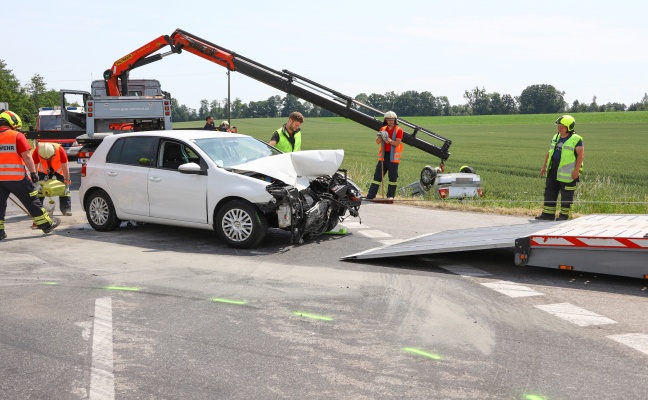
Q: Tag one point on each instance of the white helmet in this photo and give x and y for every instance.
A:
(390, 114)
(46, 150)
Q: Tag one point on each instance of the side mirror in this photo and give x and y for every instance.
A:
(191, 168)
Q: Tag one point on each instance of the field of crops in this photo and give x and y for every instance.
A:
(506, 150)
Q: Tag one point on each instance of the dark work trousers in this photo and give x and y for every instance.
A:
(65, 202)
(382, 168)
(553, 188)
(26, 193)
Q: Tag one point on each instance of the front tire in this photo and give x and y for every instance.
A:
(240, 225)
(100, 212)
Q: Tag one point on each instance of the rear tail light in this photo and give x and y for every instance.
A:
(84, 168)
(444, 193)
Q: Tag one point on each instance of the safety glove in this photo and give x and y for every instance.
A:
(34, 177)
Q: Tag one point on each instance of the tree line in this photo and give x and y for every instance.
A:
(535, 99)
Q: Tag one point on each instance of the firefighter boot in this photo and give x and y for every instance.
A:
(54, 224)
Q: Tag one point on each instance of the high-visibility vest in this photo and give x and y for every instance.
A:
(395, 154)
(284, 141)
(54, 162)
(12, 166)
(567, 157)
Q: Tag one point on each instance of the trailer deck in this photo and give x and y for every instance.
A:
(612, 244)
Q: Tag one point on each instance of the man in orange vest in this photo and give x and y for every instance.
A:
(52, 162)
(390, 138)
(14, 157)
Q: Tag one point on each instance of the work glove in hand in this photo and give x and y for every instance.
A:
(34, 177)
(385, 135)
(67, 190)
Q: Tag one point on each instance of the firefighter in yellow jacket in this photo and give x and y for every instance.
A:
(563, 165)
(390, 138)
(52, 163)
(14, 157)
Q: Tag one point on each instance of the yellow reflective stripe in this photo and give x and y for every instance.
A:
(392, 183)
(1, 225)
(570, 187)
(34, 193)
(42, 219)
(376, 182)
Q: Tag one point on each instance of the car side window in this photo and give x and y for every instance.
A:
(174, 154)
(135, 150)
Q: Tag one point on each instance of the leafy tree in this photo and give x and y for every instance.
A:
(12, 93)
(541, 99)
(478, 101)
(203, 111)
(291, 103)
(640, 106)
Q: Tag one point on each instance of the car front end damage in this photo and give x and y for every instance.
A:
(313, 210)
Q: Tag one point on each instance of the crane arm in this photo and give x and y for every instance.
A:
(285, 81)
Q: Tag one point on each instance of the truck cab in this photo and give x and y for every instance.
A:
(50, 119)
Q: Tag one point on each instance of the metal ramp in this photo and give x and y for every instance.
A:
(457, 240)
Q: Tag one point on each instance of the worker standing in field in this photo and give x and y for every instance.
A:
(390, 138)
(14, 157)
(563, 165)
(209, 123)
(52, 162)
(288, 137)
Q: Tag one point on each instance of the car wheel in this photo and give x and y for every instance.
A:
(428, 175)
(467, 170)
(100, 212)
(240, 225)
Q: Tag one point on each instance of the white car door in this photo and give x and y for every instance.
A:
(126, 171)
(172, 194)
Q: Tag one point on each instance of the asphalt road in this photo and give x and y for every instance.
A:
(153, 312)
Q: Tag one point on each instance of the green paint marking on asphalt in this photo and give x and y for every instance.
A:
(228, 301)
(312, 316)
(124, 288)
(533, 397)
(48, 283)
(422, 353)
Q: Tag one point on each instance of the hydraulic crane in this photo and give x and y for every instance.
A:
(116, 79)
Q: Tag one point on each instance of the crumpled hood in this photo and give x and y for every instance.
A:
(289, 167)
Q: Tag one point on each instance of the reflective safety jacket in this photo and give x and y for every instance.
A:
(567, 157)
(12, 166)
(284, 141)
(395, 154)
(54, 163)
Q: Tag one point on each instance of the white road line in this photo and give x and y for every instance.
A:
(102, 380)
(576, 315)
(465, 270)
(373, 234)
(512, 289)
(638, 341)
(390, 242)
(354, 225)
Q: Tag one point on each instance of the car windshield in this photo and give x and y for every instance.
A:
(49, 122)
(230, 151)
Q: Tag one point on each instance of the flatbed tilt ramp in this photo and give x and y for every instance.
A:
(613, 244)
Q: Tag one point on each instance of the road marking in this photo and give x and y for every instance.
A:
(576, 315)
(638, 341)
(102, 380)
(512, 289)
(390, 242)
(354, 225)
(373, 234)
(464, 270)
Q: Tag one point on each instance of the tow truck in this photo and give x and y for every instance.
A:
(459, 185)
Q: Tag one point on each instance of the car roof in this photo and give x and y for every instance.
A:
(184, 134)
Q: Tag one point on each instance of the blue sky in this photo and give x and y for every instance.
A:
(584, 48)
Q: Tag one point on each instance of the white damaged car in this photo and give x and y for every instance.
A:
(227, 182)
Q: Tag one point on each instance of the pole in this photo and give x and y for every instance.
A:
(229, 103)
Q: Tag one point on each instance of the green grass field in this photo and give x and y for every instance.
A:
(507, 152)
